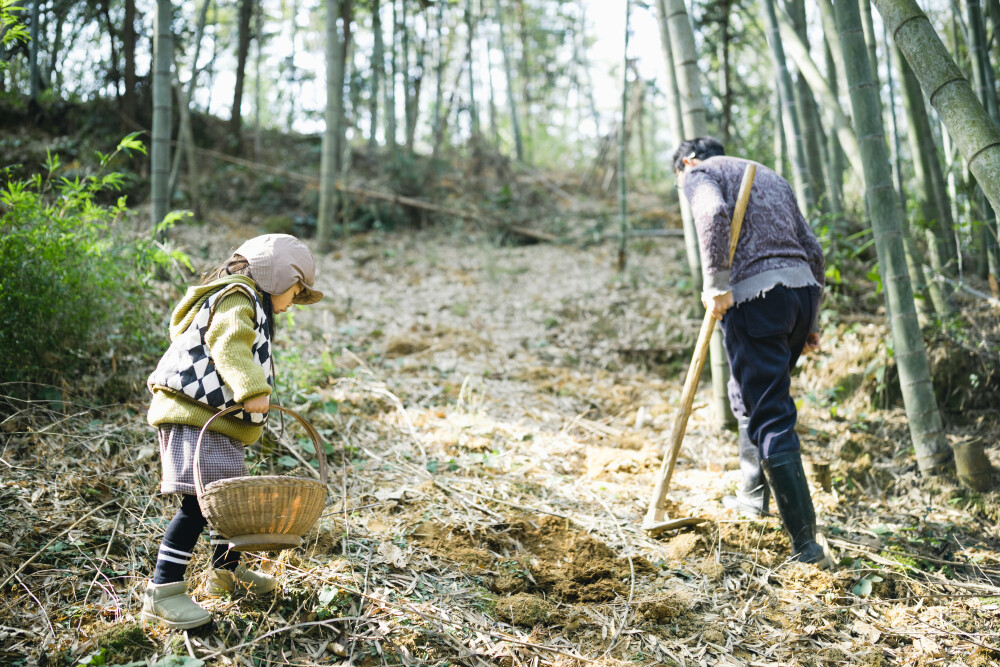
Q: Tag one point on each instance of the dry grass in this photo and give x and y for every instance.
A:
(496, 416)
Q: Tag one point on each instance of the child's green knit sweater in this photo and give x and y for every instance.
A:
(230, 337)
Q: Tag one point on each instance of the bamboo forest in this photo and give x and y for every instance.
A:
(499, 332)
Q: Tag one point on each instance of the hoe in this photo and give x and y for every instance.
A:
(656, 520)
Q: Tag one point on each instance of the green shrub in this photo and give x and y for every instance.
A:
(73, 280)
(11, 28)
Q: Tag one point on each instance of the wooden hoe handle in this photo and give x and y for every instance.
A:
(656, 510)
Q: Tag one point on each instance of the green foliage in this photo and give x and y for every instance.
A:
(73, 281)
(332, 602)
(10, 26)
(751, 129)
(121, 644)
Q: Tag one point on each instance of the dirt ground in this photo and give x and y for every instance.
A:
(494, 417)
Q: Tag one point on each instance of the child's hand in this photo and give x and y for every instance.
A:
(257, 404)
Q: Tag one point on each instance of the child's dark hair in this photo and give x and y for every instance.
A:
(237, 265)
(699, 148)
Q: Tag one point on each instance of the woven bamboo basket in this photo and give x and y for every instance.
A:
(265, 513)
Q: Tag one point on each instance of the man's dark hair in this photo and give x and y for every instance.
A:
(700, 148)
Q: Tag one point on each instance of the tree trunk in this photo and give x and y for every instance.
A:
(966, 119)
(837, 76)
(390, 87)
(54, 76)
(652, 149)
(415, 87)
(378, 68)
(993, 105)
(929, 299)
(346, 15)
(128, 51)
(925, 303)
(642, 140)
(986, 95)
(210, 71)
(198, 36)
(330, 159)
(693, 107)
(446, 112)
(800, 174)
(113, 74)
(924, 419)
(160, 152)
(34, 85)
(524, 75)
(353, 95)
(294, 85)
(186, 147)
(799, 52)
(494, 116)
(993, 9)
(442, 56)
(727, 96)
(930, 181)
(404, 52)
(622, 143)
(471, 55)
(518, 143)
(676, 116)
(950, 153)
(868, 28)
(834, 149)
(780, 141)
(242, 52)
(258, 22)
(808, 115)
(686, 65)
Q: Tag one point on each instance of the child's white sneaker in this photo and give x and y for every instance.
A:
(221, 581)
(169, 605)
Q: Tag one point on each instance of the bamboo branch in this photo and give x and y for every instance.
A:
(962, 286)
(799, 53)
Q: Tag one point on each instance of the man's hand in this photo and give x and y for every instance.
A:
(812, 342)
(718, 304)
(257, 404)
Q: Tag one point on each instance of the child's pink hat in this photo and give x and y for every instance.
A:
(278, 262)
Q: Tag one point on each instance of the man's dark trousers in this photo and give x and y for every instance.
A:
(764, 338)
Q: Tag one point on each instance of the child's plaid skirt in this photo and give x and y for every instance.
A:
(222, 457)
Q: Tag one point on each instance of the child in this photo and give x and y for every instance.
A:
(220, 356)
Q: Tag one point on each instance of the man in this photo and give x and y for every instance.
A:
(768, 302)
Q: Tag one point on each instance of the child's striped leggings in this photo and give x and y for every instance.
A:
(179, 542)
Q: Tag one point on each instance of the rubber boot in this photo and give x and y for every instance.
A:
(169, 605)
(753, 496)
(221, 581)
(788, 483)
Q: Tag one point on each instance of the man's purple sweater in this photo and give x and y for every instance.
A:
(776, 245)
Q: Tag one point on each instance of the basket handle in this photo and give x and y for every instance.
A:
(313, 435)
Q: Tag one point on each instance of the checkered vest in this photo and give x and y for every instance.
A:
(187, 366)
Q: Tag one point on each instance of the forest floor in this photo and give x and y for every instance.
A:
(494, 417)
